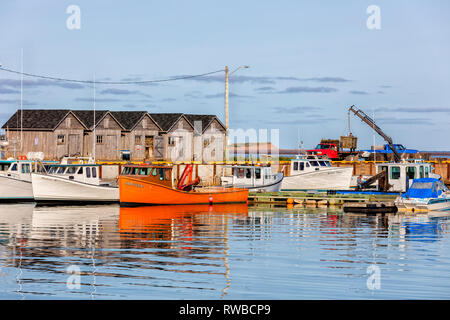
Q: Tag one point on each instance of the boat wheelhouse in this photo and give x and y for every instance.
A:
(401, 175)
(154, 185)
(254, 178)
(313, 172)
(425, 194)
(15, 180)
(72, 183)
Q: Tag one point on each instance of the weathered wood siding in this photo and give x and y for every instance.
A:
(145, 150)
(210, 145)
(47, 141)
(72, 130)
(110, 131)
(183, 134)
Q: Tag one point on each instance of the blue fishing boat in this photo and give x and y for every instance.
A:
(425, 194)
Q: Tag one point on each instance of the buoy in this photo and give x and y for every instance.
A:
(290, 201)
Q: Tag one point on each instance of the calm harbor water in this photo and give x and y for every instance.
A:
(220, 252)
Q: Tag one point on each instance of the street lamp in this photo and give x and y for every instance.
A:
(226, 105)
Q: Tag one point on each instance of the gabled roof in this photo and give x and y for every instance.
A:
(37, 119)
(87, 117)
(205, 119)
(130, 119)
(167, 120)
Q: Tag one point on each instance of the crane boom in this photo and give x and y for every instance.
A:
(364, 117)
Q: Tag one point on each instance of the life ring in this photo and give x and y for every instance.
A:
(22, 158)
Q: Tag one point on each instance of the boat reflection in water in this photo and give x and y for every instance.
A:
(218, 251)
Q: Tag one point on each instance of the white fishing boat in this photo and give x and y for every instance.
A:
(400, 175)
(15, 180)
(254, 178)
(310, 172)
(72, 183)
(425, 194)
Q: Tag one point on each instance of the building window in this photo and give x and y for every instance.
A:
(99, 139)
(137, 140)
(61, 139)
(106, 123)
(171, 141)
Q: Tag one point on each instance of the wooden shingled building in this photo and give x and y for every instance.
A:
(119, 135)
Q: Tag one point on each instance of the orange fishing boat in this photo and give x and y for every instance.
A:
(142, 185)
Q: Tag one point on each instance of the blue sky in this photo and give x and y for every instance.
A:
(309, 61)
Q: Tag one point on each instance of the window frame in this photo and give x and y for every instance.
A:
(99, 139)
(60, 139)
(391, 175)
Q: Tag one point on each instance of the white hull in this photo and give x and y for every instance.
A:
(48, 188)
(324, 179)
(15, 189)
(271, 187)
(422, 205)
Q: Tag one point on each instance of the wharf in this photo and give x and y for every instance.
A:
(319, 199)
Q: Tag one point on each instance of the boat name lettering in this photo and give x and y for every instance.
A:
(131, 184)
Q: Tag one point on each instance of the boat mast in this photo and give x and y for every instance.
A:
(95, 138)
(374, 151)
(21, 100)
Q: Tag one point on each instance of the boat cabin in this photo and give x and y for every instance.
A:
(426, 188)
(159, 174)
(308, 163)
(85, 173)
(5, 164)
(19, 169)
(249, 176)
(401, 175)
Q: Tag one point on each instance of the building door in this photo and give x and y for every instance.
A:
(159, 147)
(149, 147)
(111, 150)
(74, 145)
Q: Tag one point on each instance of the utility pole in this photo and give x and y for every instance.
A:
(226, 105)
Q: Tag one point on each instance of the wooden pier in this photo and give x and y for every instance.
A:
(317, 199)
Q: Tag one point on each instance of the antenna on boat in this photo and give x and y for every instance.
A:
(95, 138)
(374, 151)
(21, 100)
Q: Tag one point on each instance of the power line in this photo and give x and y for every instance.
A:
(108, 82)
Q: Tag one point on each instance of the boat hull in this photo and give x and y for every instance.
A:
(271, 187)
(50, 189)
(12, 190)
(324, 179)
(137, 192)
(422, 205)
